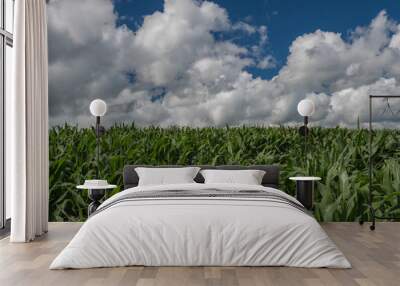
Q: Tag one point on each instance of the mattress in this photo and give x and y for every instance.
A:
(201, 225)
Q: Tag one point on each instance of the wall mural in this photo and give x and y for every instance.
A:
(218, 82)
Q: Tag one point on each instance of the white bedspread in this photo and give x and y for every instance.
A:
(200, 231)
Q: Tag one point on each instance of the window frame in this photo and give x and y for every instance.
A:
(6, 39)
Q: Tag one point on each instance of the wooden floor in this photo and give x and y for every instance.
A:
(375, 257)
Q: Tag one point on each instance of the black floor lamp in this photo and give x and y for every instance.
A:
(370, 163)
(305, 108)
(98, 108)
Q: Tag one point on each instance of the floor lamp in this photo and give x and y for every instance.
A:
(305, 108)
(370, 162)
(98, 108)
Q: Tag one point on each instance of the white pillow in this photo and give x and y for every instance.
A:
(248, 177)
(165, 176)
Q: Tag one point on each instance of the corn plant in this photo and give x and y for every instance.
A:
(338, 155)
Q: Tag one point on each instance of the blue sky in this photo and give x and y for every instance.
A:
(285, 19)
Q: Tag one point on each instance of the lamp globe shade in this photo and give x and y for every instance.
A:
(306, 107)
(98, 107)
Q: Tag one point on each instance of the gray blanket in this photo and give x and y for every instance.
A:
(202, 194)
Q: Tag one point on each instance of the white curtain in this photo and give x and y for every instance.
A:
(27, 123)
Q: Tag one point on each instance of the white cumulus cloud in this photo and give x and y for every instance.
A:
(174, 70)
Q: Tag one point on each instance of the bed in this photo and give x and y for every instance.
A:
(201, 224)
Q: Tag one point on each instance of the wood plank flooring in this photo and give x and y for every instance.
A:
(375, 257)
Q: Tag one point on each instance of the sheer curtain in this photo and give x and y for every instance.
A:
(27, 124)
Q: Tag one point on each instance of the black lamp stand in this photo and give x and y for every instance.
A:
(96, 195)
(305, 188)
(100, 130)
(304, 131)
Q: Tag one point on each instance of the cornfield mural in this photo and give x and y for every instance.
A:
(339, 156)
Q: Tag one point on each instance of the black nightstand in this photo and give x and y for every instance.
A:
(305, 190)
(96, 193)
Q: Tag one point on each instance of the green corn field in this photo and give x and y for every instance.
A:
(338, 155)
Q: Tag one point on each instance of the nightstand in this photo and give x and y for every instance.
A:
(96, 193)
(305, 190)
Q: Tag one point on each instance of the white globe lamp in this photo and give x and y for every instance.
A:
(98, 107)
(306, 107)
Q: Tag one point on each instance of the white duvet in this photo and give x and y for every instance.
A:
(199, 231)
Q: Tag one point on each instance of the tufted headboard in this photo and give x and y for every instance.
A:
(271, 177)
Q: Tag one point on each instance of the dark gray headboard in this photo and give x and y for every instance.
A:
(271, 177)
